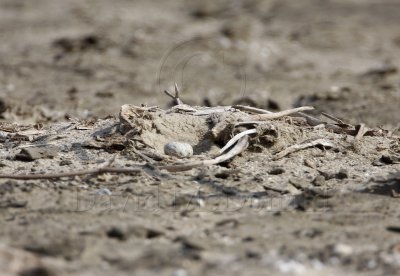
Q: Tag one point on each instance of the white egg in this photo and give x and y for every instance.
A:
(178, 149)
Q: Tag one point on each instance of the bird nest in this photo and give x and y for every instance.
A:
(217, 134)
(184, 137)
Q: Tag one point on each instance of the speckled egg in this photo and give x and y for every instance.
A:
(178, 149)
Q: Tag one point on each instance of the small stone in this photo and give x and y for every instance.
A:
(390, 159)
(180, 272)
(342, 250)
(116, 233)
(251, 254)
(342, 174)
(310, 163)
(191, 243)
(33, 153)
(319, 180)
(230, 191)
(276, 171)
(186, 200)
(65, 162)
(178, 149)
(228, 223)
(299, 183)
(308, 233)
(123, 233)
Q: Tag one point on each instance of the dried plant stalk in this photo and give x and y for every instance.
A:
(276, 115)
(297, 147)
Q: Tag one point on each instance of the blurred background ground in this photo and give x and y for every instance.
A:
(87, 58)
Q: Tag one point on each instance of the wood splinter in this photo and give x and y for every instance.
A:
(177, 100)
(236, 138)
(298, 147)
(276, 115)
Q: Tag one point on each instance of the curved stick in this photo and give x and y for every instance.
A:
(236, 138)
(276, 115)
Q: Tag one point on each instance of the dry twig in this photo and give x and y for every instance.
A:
(333, 118)
(140, 154)
(251, 109)
(312, 121)
(276, 115)
(391, 132)
(210, 110)
(298, 147)
(236, 138)
(175, 97)
(361, 132)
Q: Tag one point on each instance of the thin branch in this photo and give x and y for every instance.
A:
(177, 93)
(236, 138)
(298, 147)
(251, 109)
(210, 110)
(240, 146)
(140, 154)
(361, 132)
(311, 120)
(333, 118)
(261, 116)
(391, 132)
(276, 115)
(72, 174)
(175, 97)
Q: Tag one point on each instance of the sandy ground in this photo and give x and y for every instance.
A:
(66, 68)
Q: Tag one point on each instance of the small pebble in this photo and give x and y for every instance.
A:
(342, 174)
(276, 171)
(65, 162)
(33, 153)
(342, 250)
(319, 180)
(178, 149)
